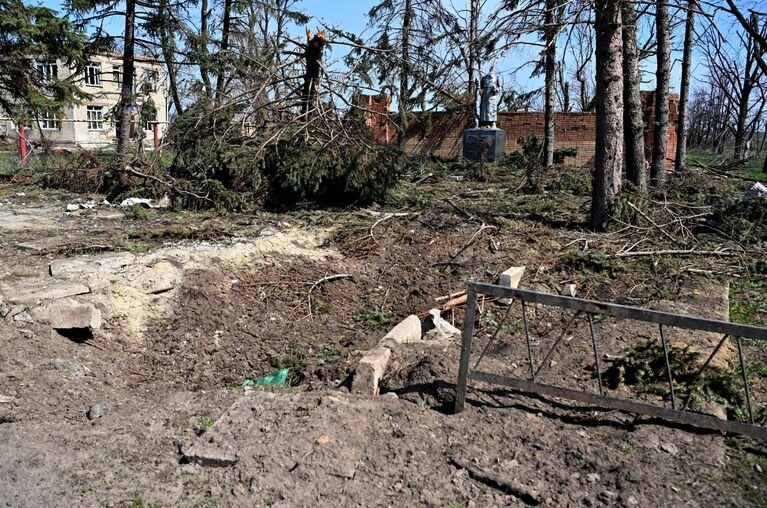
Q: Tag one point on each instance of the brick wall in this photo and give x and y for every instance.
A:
(441, 133)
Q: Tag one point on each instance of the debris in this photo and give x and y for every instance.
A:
(276, 378)
(570, 290)
(758, 468)
(23, 317)
(506, 485)
(669, 448)
(437, 328)
(5, 309)
(322, 440)
(69, 315)
(210, 455)
(407, 331)
(421, 180)
(593, 477)
(33, 293)
(323, 281)
(370, 370)
(510, 279)
(6, 399)
(95, 412)
(455, 178)
(759, 190)
(86, 265)
(450, 296)
(148, 203)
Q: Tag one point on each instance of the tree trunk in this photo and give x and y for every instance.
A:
(203, 49)
(404, 73)
(633, 124)
(608, 159)
(764, 166)
(662, 78)
(126, 92)
(551, 54)
(315, 48)
(684, 88)
(222, 63)
(168, 44)
(473, 51)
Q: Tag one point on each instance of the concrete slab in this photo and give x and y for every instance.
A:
(40, 291)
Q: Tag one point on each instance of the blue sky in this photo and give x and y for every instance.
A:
(351, 15)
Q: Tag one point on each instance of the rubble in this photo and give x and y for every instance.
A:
(759, 190)
(69, 315)
(510, 279)
(45, 291)
(436, 328)
(370, 370)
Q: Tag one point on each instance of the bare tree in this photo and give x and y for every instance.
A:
(551, 31)
(662, 81)
(633, 124)
(684, 87)
(608, 159)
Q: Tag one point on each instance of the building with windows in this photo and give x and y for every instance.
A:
(92, 123)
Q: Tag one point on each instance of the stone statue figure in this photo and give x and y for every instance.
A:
(490, 89)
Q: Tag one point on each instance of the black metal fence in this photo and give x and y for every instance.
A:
(591, 309)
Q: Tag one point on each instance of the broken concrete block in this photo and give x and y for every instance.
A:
(371, 369)
(408, 330)
(757, 191)
(86, 265)
(436, 328)
(210, 455)
(570, 290)
(510, 279)
(69, 316)
(33, 293)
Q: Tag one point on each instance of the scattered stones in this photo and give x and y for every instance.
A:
(95, 412)
(68, 315)
(370, 370)
(593, 477)
(758, 468)
(6, 399)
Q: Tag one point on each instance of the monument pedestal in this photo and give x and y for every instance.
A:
(484, 144)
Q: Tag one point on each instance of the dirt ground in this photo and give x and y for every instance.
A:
(247, 298)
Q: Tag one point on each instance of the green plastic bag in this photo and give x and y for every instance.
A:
(276, 378)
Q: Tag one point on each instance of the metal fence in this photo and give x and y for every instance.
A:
(678, 412)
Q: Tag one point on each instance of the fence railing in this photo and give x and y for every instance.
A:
(678, 412)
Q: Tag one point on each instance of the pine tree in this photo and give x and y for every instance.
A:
(27, 33)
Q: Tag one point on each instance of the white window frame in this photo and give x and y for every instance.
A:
(48, 70)
(93, 74)
(117, 75)
(95, 117)
(49, 121)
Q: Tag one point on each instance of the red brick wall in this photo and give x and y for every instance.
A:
(441, 133)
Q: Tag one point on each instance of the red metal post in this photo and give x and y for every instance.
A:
(22, 144)
(156, 129)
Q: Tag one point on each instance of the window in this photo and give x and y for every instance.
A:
(49, 121)
(150, 78)
(95, 118)
(117, 76)
(48, 70)
(93, 74)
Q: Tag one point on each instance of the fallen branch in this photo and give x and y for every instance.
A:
(691, 252)
(323, 280)
(460, 210)
(648, 219)
(499, 482)
(469, 243)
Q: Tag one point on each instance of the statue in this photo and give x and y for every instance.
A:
(489, 94)
(485, 142)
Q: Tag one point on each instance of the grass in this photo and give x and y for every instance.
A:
(206, 423)
(748, 302)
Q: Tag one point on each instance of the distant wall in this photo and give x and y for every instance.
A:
(441, 133)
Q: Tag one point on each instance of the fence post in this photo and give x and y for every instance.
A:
(468, 335)
(22, 144)
(156, 130)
